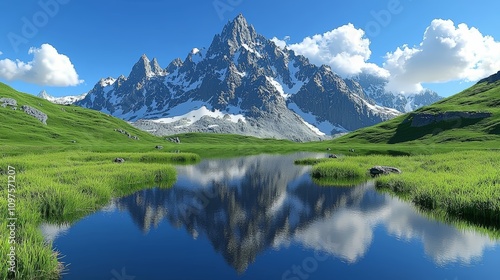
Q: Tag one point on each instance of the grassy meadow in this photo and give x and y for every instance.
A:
(462, 185)
(64, 187)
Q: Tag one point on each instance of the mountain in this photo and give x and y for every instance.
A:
(244, 84)
(64, 100)
(374, 88)
(472, 116)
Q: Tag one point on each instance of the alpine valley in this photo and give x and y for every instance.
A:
(245, 84)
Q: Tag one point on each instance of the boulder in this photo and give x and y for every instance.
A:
(41, 116)
(332, 156)
(383, 170)
(119, 160)
(8, 102)
(158, 147)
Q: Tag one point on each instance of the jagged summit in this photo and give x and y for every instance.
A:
(491, 79)
(144, 68)
(43, 94)
(235, 34)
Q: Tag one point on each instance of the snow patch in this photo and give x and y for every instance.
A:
(222, 74)
(321, 128)
(278, 86)
(107, 82)
(246, 47)
(195, 115)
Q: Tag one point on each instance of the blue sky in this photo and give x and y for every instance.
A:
(105, 38)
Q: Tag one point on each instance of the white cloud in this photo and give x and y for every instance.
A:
(1, 53)
(447, 53)
(281, 43)
(345, 49)
(48, 68)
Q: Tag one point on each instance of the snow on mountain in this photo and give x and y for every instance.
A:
(64, 100)
(374, 88)
(195, 115)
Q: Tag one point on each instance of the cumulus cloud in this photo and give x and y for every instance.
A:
(48, 68)
(446, 53)
(345, 49)
(281, 43)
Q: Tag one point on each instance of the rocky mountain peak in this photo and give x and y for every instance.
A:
(141, 69)
(238, 32)
(43, 94)
(175, 64)
(155, 68)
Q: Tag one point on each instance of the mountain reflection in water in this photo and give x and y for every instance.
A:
(247, 205)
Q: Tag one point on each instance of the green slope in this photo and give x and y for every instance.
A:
(483, 97)
(92, 130)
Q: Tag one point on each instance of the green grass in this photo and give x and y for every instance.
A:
(61, 181)
(339, 170)
(471, 133)
(92, 130)
(64, 187)
(456, 186)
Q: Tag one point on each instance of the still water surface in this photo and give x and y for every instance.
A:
(262, 217)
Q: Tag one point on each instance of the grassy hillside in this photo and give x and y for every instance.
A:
(483, 97)
(92, 130)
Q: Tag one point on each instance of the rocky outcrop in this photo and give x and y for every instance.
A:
(127, 134)
(4, 102)
(41, 116)
(383, 170)
(423, 119)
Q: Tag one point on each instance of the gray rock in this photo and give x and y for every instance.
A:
(158, 147)
(383, 170)
(35, 113)
(332, 156)
(124, 132)
(119, 160)
(8, 102)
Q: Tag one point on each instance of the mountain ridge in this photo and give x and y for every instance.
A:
(280, 94)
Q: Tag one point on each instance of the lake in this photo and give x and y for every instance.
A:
(262, 217)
